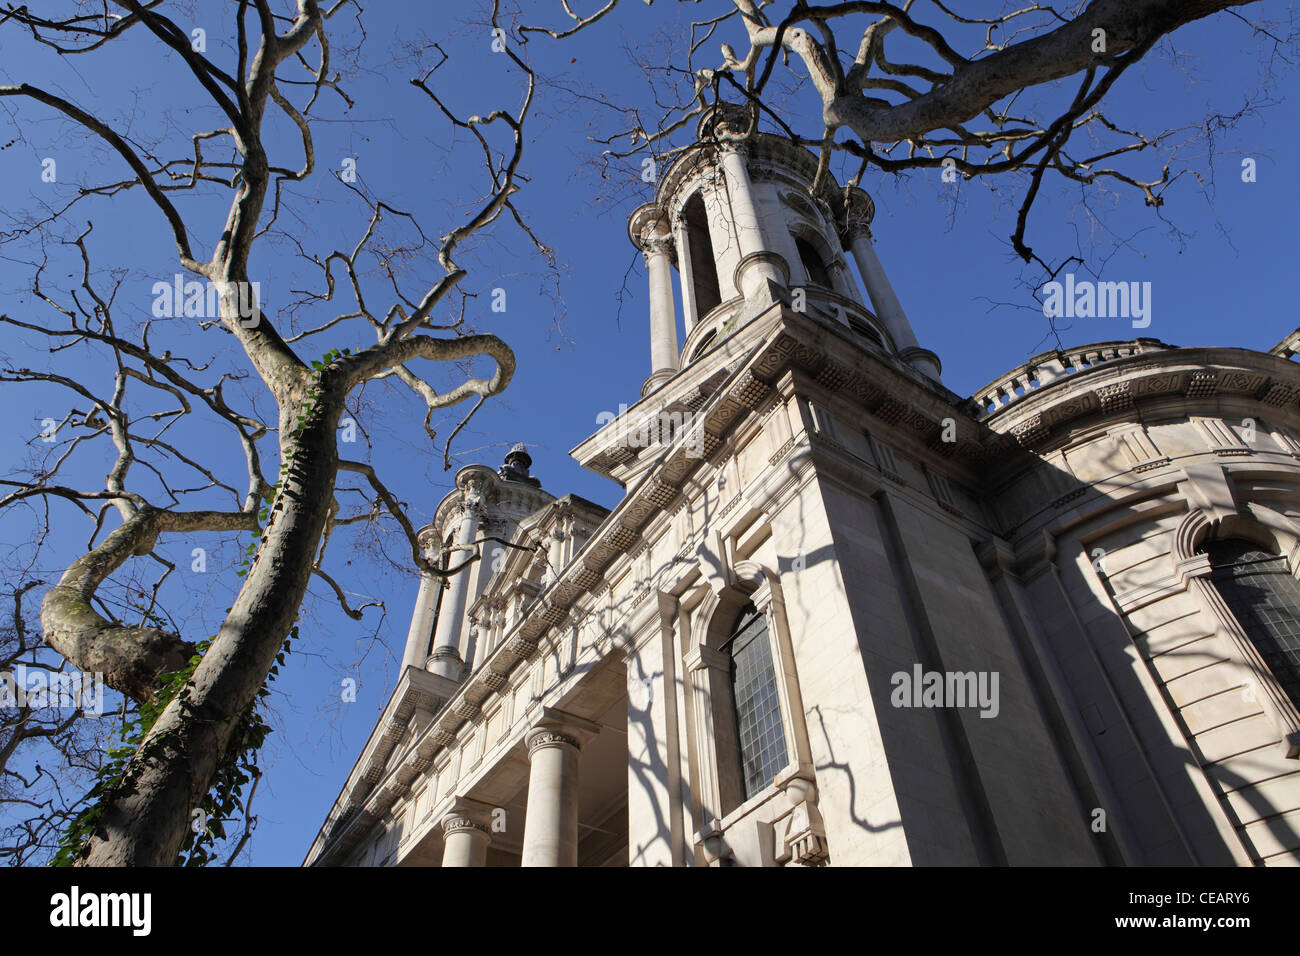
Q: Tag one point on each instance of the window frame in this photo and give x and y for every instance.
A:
(1225, 573)
(744, 619)
(714, 733)
(1192, 572)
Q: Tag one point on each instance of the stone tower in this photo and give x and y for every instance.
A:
(841, 614)
(485, 506)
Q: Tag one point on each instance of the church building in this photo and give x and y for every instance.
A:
(843, 615)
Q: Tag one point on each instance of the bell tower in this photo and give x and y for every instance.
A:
(485, 504)
(744, 222)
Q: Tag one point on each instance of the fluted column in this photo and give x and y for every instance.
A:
(551, 819)
(465, 837)
(446, 660)
(756, 265)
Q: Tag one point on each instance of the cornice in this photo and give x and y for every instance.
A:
(1042, 419)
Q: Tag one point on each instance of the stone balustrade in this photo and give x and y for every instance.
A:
(1049, 366)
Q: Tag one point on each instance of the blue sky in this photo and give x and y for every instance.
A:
(1223, 278)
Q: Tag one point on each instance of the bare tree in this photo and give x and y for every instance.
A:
(275, 61)
(922, 85)
(48, 753)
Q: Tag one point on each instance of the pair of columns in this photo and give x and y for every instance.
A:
(658, 242)
(443, 657)
(551, 818)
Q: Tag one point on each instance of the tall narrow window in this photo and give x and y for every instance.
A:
(818, 274)
(704, 268)
(1265, 599)
(759, 728)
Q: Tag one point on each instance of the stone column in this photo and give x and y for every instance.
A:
(686, 271)
(657, 251)
(883, 298)
(465, 837)
(419, 635)
(756, 265)
(551, 818)
(446, 659)
(886, 305)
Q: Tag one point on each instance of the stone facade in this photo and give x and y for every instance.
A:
(796, 462)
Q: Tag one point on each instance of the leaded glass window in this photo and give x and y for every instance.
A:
(1265, 599)
(759, 728)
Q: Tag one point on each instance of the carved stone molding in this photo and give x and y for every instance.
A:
(539, 739)
(455, 823)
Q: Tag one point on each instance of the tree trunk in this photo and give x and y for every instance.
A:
(144, 822)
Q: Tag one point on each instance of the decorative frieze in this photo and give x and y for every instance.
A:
(781, 452)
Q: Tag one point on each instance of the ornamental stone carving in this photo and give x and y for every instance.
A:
(539, 739)
(456, 823)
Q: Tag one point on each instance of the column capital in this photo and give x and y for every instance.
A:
(543, 737)
(855, 228)
(648, 224)
(859, 210)
(555, 728)
(466, 814)
(733, 147)
(658, 245)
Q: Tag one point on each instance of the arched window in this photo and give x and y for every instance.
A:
(1265, 599)
(704, 269)
(759, 728)
(813, 265)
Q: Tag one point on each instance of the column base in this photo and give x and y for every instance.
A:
(755, 270)
(656, 379)
(923, 360)
(445, 662)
